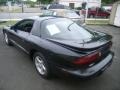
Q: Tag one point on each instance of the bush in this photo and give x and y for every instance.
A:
(79, 8)
(32, 5)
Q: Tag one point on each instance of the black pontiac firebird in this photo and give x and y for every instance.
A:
(58, 45)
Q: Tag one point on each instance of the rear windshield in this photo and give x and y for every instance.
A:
(70, 13)
(58, 6)
(65, 29)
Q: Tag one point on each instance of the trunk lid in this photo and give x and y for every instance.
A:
(86, 44)
(100, 45)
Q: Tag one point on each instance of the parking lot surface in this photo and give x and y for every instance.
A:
(17, 71)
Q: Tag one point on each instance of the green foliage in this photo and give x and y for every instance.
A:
(84, 5)
(32, 4)
(2, 2)
(78, 8)
(109, 1)
(106, 1)
(44, 1)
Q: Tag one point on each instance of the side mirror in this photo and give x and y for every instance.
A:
(13, 28)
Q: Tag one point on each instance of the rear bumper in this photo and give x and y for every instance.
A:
(92, 71)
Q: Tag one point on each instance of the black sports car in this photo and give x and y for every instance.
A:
(58, 45)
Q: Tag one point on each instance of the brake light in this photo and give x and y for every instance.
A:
(85, 60)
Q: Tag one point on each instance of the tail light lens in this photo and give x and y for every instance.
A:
(85, 60)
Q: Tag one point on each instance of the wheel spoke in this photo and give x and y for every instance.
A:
(6, 38)
(40, 65)
(43, 67)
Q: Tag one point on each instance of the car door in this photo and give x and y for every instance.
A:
(101, 12)
(21, 33)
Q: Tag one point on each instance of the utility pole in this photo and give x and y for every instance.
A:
(86, 15)
(22, 5)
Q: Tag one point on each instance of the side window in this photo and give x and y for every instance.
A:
(25, 25)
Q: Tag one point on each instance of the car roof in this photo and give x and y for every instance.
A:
(41, 18)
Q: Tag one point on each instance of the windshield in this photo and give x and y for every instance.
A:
(47, 12)
(58, 6)
(65, 29)
(70, 13)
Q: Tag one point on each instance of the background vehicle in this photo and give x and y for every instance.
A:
(107, 8)
(48, 13)
(58, 45)
(57, 6)
(64, 13)
(97, 12)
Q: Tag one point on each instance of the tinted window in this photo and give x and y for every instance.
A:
(101, 10)
(58, 6)
(64, 29)
(47, 12)
(71, 14)
(25, 25)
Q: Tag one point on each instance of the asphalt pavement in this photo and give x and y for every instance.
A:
(17, 71)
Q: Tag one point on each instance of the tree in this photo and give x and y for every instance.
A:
(44, 1)
(84, 5)
(2, 2)
(109, 1)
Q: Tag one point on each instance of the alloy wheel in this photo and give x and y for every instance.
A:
(40, 65)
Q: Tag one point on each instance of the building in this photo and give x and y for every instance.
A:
(78, 3)
(115, 14)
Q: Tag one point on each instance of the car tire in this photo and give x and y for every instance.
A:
(7, 40)
(42, 66)
(92, 16)
(107, 17)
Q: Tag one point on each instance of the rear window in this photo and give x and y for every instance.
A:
(58, 6)
(65, 29)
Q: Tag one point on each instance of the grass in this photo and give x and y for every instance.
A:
(7, 23)
(97, 21)
(16, 10)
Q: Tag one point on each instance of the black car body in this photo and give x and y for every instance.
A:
(65, 46)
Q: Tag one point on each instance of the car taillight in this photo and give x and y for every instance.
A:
(85, 60)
